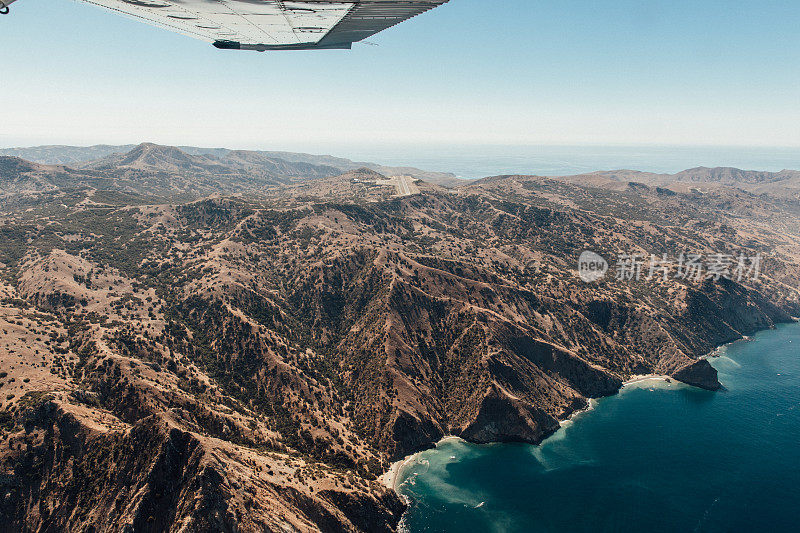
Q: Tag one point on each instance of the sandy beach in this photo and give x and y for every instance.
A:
(389, 479)
(647, 377)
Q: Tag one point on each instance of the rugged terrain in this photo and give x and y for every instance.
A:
(197, 344)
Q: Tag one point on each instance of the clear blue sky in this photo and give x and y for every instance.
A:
(472, 71)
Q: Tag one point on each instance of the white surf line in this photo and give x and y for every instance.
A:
(389, 479)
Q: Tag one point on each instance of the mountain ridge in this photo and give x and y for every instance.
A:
(785, 182)
(76, 155)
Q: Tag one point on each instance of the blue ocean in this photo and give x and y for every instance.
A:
(656, 457)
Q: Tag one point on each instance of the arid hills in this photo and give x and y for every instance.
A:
(237, 341)
(785, 183)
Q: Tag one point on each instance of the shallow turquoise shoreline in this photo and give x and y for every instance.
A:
(657, 457)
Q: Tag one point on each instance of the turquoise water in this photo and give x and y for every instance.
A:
(656, 457)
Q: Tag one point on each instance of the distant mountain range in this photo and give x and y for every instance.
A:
(785, 182)
(90, 156)
(188, 171)
(151, 170)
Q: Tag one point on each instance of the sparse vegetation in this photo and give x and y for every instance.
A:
(312, 331)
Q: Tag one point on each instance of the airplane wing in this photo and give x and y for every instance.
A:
(4, 6)
(272, 24)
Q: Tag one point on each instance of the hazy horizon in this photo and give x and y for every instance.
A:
(481, 160)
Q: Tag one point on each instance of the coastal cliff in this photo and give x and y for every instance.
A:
(699, 374)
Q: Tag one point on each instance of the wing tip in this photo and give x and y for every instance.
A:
(235, 45)
(227, 45)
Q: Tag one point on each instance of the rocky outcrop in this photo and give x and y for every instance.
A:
(502, 418)
(410, 434)
(699, 374)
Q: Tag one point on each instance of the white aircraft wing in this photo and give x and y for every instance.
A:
(272, 24)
